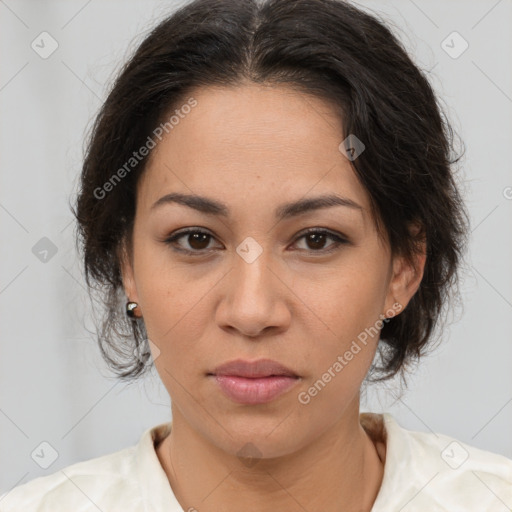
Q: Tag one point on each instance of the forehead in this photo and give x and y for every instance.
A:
(267, 141)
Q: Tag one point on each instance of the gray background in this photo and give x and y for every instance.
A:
(53, 385)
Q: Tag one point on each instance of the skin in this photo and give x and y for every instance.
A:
(255, 147)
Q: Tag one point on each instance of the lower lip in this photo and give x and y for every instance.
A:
(254, 391)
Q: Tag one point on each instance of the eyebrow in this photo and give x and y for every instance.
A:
(285, 211)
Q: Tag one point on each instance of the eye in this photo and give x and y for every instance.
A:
(316, 239)
(197, 241)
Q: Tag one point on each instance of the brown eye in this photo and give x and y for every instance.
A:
(196, 241)
(316, 240)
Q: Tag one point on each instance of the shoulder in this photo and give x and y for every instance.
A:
(436, 472)
(109, 480)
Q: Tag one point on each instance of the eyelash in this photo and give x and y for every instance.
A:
(338, 240)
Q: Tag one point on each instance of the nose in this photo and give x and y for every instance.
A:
(255, 298)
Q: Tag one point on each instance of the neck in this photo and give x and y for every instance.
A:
(339, 470)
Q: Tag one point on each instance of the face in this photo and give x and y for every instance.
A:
(248, 281)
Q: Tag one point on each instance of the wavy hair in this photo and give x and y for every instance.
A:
(327, 48)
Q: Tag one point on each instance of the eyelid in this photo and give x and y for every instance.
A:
(338, 238)
(169, 240)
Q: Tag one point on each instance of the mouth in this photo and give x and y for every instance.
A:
(254, 369)
(254, 382)
(253, 391)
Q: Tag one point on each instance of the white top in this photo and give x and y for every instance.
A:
(423, 472)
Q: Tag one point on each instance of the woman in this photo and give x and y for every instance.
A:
(268, 190)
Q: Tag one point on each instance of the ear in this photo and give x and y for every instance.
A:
(406, 276)
(127, 273)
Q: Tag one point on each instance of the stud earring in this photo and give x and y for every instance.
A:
(130, 310)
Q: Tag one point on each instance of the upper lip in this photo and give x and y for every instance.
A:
(253, 369)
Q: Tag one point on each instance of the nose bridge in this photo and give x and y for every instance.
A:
(251, 299)
(252, 265)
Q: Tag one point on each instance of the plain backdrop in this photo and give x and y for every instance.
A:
(55, 388)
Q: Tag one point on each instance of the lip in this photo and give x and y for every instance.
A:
(253, 369)
(255, 382)
(249, 391)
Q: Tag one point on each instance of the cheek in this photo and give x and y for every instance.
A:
(343, 343)
(339, 363)
(171, 293)
(178, 318)
(347, 301)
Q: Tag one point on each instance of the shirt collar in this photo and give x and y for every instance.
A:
(156, 490)
(381, 428)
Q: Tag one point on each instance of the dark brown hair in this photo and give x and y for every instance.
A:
(327, 48)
